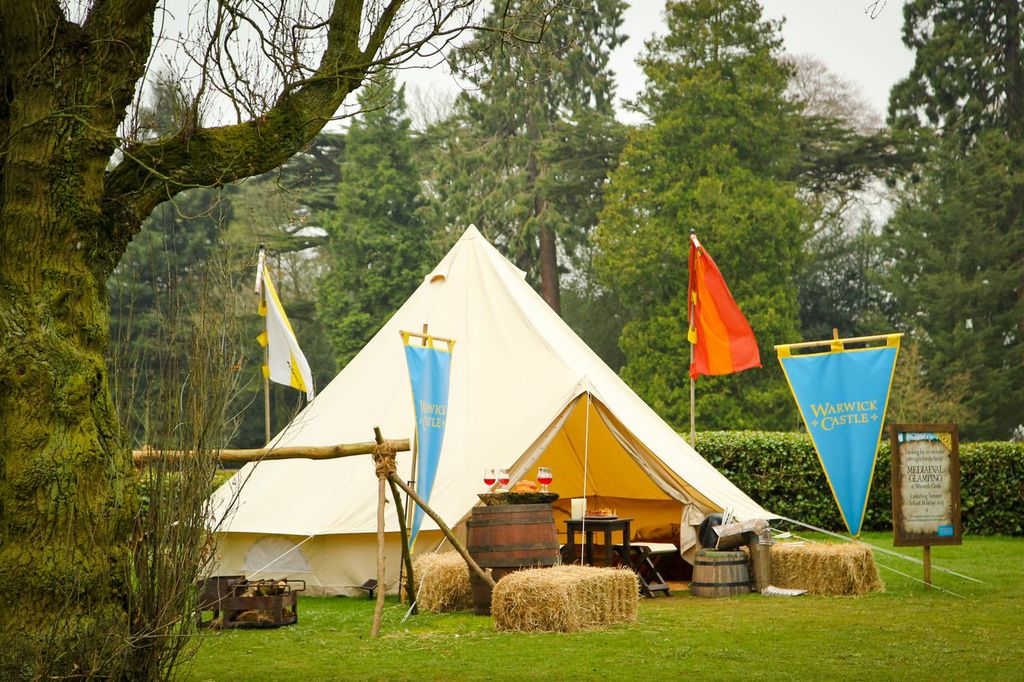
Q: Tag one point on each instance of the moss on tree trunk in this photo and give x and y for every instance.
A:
(66, 496)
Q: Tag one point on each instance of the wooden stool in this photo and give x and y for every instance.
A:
(644, 558)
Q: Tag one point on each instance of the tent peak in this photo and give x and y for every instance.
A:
(471, 233)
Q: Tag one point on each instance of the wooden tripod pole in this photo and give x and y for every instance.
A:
(410, 580)
(142, 457)
(444, 529)
(378, 609)
(396, 495)
(384, 466)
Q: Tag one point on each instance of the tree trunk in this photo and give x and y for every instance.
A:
(66, 486)
(67, 490)
(549, 268)
(548, 251)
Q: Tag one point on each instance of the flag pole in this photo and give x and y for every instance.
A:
(412, 475)
(693, 384)
(266, 353)
(693, 416)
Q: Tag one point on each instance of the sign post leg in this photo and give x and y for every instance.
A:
(928, 564)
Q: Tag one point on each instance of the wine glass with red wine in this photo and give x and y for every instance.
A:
(489, 478)
(544, 478)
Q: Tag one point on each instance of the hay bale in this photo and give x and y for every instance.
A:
(564, 599)
(826, 568)
(442, 583)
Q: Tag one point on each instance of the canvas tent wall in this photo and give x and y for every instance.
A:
(525, 392)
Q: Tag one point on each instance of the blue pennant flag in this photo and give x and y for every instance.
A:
(429, 373)
(842, 396)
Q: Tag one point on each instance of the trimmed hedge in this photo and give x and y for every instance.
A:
(781, 472)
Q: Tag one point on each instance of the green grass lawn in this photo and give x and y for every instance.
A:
(908, 632)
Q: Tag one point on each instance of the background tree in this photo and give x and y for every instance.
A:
(526, 153)
(967, 75)
(378, 249)
(954, 244)
(159, 280)
(842, 283)
(848, 160)
(67, 214)
(956, 270)
(721, 140)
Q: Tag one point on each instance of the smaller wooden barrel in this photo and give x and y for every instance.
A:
(505, 538)
(720, 574)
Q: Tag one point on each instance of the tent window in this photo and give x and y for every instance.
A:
(275, 554)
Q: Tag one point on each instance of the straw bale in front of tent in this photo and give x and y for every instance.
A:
(564, 599)
(442, 583)
(825, 568)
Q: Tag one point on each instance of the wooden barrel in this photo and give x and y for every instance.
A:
(720, 574)
(508, 537)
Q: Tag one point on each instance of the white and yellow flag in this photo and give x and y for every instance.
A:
(285, 362)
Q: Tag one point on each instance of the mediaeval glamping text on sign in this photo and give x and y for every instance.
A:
(926, 484)
(429, 374)
(842, 395)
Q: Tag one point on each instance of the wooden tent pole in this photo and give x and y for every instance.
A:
(444, 529)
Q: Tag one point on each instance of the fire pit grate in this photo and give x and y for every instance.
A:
(240, 603)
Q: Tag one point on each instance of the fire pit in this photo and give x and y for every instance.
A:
(240, 603)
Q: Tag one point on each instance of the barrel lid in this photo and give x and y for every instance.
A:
(719, 553)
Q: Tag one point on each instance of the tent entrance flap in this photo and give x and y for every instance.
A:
(617, 467)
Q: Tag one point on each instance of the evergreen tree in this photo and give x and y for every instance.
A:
(955, 244)
(957, 257)
(530, 145)
(967, 75)
(722, 133)
(378, 250)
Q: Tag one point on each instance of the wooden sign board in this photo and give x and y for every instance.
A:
(925, 485)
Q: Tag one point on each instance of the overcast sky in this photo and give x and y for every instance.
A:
(857, 39)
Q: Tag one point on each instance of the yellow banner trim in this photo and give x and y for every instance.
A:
(428, 340)
(785, 350)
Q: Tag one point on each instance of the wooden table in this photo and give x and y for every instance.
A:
(591, 526)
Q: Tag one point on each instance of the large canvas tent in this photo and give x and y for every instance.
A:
(525, 392)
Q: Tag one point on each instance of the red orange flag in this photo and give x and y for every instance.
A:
(722, 339)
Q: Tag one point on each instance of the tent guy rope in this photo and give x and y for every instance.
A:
(883, 550)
